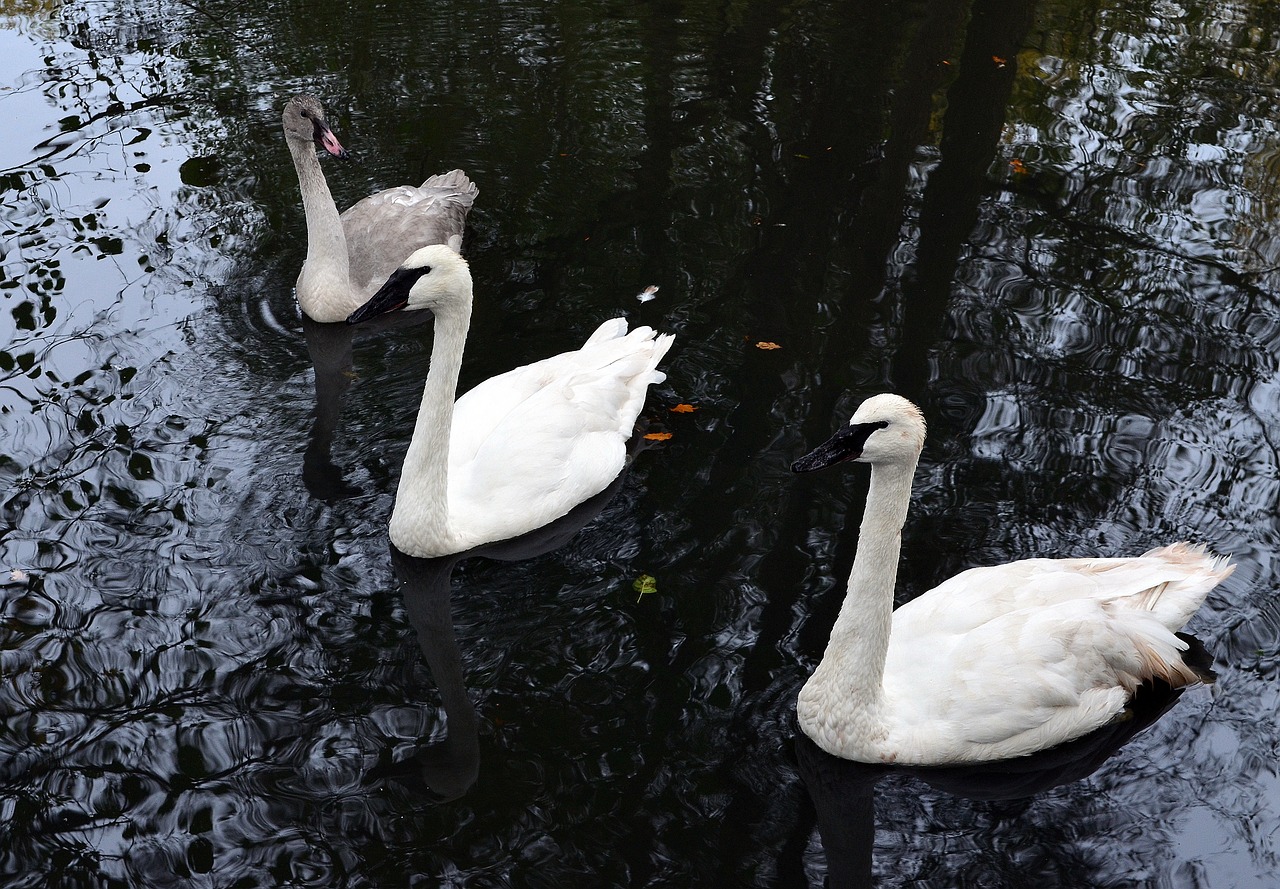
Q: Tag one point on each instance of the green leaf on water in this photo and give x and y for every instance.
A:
(644, 584)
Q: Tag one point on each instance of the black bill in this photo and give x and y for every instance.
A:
(847, 444)
(391, 296)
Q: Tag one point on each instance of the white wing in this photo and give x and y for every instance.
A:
(530, 444)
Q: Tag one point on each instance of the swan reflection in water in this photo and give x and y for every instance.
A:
(843, 791)
(330, 348)
(450, 767)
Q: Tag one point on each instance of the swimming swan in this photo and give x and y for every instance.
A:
(349, 256)
(996, 662)
(522, 448)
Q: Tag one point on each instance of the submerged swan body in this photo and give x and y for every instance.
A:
(996, 662)
(522, 448)
(350, 255)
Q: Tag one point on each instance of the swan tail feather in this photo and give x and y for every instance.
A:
(454, 179)
(1195, 572)
(661, 343)
(637, 354)
(1178, 659)
(630, 360)
(613, 329)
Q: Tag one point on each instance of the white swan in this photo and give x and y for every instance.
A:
(996, 662)
(522, 448)
(349, 256)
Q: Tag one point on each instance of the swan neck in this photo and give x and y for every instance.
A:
(855, 655)
(420, 520)
(326, 243)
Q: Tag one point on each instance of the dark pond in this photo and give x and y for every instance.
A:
(1051, 224)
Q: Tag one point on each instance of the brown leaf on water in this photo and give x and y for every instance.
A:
(683, 409)
(658, 436)
(1018, 166)
(768, 347)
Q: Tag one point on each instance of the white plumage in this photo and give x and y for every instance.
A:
(522, 448)
(349, 256)
(995, 662)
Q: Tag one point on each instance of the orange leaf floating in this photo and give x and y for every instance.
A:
(999, 60)
(1018, 166)
(683, 409)
(657, 436)
(768, 347)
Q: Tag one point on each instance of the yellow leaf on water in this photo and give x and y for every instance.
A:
(683, 409)
(767, 346)
(658, 436)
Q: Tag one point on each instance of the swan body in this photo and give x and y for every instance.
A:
(350, 255)
(520, 449)
(995, 662)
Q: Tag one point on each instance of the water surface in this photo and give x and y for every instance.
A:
(1050, 224)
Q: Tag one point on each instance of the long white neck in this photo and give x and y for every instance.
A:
(420, 520)
(852, 668)
(325, 282)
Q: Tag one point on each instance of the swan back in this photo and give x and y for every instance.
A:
(530, 444)
(385, 228)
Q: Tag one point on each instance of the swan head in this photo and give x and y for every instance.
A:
(304, 123)
(433, 277)
(884, 429)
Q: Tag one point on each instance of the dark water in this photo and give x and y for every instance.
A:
(1050, 224)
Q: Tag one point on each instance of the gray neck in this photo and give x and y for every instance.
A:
(326, 243)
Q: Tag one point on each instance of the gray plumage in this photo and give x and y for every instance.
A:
(349, 256)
